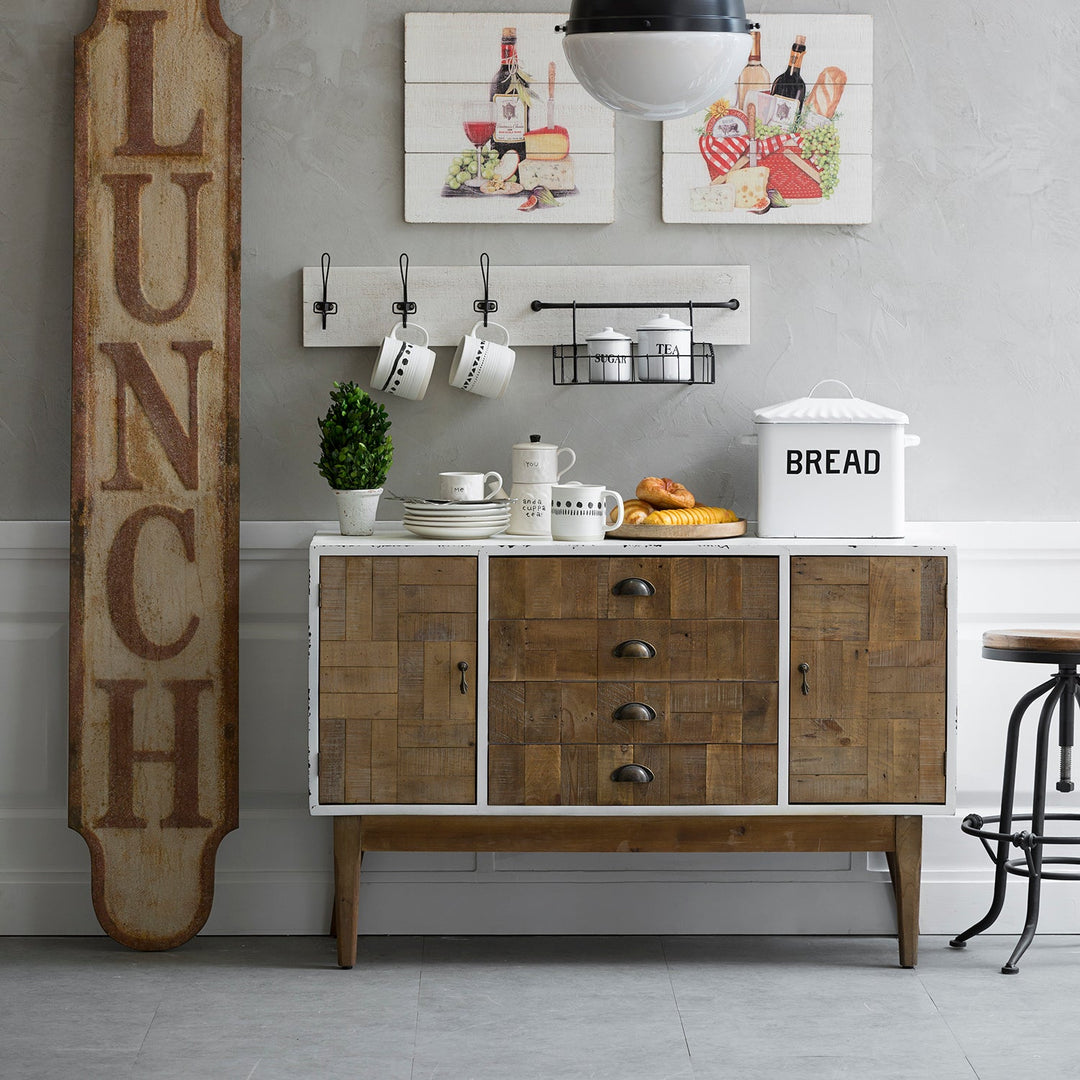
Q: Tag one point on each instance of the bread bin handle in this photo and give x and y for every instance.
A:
(912, 440)
(748, 440)
(838, 383)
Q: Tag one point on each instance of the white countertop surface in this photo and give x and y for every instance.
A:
(392, 536)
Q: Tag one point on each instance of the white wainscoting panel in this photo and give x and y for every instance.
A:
(274, 872)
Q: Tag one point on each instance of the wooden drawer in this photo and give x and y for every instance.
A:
(581, 587)
(547, 649)
(698, 774)
(602, 712)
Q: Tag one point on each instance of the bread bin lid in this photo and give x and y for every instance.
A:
(829, 410)
(607, 334)
(664, 322)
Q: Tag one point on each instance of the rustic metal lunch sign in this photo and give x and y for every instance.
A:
(154, 505)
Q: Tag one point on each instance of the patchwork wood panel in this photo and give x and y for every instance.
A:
(394, 726)
(872, 727)
(555, 683)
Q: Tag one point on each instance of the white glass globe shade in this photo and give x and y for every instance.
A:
(657, 74)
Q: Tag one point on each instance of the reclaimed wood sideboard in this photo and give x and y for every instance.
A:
(518, 695)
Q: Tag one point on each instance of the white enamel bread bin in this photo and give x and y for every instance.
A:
(831, 467)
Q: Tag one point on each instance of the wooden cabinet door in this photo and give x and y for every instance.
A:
(397, 718)
(565, 712)
(870, 725)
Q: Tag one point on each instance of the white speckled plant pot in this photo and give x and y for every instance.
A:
(356, 511)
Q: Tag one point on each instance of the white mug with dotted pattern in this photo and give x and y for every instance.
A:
(579, 511)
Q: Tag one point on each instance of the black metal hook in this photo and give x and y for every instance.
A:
(487, 305)
(404, 307)
(324, 307)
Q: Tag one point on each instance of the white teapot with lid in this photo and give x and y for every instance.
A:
(536, 462)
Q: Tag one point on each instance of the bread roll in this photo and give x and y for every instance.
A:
(636, 512)
(664, 493)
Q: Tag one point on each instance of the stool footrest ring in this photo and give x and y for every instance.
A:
(975, 825)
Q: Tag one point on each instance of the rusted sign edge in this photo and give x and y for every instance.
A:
(228, 492)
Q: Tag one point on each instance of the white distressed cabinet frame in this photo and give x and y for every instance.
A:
(444, 298)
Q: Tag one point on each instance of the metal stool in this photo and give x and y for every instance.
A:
(1060, 647)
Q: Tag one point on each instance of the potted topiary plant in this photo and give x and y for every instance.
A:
(356, 455)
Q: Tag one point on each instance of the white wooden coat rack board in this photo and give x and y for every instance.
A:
(363, 299)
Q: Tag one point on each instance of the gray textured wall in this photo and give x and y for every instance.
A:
(958, 304)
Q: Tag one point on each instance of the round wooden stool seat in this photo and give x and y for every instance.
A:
(1032, 646)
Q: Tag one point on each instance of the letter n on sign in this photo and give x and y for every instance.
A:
(154, 461)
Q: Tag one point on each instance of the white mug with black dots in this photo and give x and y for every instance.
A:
(405, 363)
(579, 511)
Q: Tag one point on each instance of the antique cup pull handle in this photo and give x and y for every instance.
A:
(633, 586)
(463, 667)
(804, 667)
(634, 710)
(632, 774)
(634, 649)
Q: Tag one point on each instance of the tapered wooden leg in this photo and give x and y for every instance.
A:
(905, 868)
(347, 854)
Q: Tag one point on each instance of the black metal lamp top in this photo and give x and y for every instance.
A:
(613, 16)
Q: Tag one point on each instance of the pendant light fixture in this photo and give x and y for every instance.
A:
(656, 59)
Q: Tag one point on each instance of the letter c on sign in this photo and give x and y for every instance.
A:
(120, 582)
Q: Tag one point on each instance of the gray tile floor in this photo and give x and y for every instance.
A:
(644, 1008)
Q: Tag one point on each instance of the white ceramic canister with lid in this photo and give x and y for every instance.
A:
(831, 467)
(610, 356)
(537, 462)
(664, 350)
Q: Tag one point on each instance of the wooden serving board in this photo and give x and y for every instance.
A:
(679, 532)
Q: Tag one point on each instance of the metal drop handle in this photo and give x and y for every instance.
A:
(804, 667)
(463, 667)
(633, 586)
(634, 649)
(634, 710)
(632, 774)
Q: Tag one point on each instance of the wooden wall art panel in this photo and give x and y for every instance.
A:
(538, 151)
(155, 424)
(811, 162)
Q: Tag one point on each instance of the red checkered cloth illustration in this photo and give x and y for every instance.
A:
(721, 154)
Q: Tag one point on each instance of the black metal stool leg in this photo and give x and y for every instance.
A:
(1008, 785)
(1031, 843)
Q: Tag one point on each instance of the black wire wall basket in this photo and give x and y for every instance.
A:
(573, 366)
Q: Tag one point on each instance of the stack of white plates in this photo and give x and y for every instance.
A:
(438, 520)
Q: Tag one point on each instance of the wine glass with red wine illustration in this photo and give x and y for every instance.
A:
(479, 122)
